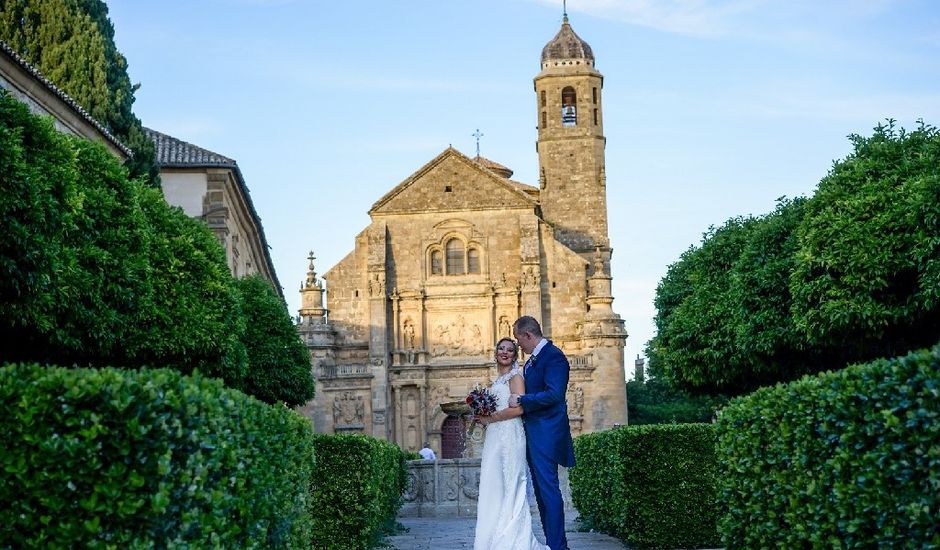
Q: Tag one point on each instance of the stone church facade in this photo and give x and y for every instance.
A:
(452, 256)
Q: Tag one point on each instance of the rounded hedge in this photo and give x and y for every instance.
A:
(849, 459)
(141, 459)
(357, 486)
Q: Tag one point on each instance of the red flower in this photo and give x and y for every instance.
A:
(481, 401)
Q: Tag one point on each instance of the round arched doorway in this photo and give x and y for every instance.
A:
(452, 438)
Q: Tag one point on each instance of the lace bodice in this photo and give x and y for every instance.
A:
(500, 387)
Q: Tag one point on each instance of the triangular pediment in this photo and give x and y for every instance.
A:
(453, 182)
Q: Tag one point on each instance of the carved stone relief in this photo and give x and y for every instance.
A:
(470, 482)
(377, 285)
(438, 395)
(412, 487)
(457, 338)
(531, 278)
(450, 484)
(348, 411)
(575, 398)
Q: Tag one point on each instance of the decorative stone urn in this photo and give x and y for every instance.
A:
(474, 433)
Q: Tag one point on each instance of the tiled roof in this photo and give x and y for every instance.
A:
(493, 166)
(176, 153)
(67, 99)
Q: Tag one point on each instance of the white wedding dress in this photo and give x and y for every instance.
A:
(503, 518)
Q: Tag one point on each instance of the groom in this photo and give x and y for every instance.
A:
(548, 437)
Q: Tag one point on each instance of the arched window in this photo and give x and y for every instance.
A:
(544, 120)
(542, 95)
(473, 260)
(569, 109)
(436, 264)
(455, 251)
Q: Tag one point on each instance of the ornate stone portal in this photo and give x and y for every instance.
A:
(453, 255)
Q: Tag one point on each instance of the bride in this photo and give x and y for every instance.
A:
(503, 518)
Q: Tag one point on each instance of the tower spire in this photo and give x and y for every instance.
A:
(564, 9)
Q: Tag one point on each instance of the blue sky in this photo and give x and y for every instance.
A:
(713, 108)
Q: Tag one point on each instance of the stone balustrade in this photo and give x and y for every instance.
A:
(450, 488)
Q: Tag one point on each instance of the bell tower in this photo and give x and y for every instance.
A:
(571, 144)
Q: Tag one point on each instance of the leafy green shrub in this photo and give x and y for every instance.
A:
(98, 270)
(867, 275)
(141, 459)
(278, 362)
(649, 486)
(695, 342)
(847, 275)
(193, 320)
(357, 487)
(654, 402)
(37, 192)
(849, 459)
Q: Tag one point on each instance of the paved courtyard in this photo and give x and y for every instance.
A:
(457, 533)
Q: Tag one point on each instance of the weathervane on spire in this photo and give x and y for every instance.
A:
(478, 134)
(564, 9)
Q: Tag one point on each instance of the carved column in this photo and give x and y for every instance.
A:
(423, 412)
(378, 328)
(396, 400)
(531, 277)
(604, 337)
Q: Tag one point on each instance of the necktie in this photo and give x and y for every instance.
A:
(528, 363)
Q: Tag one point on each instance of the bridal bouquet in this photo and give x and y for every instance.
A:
(481, 401)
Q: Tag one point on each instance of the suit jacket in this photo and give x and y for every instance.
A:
(545, 411)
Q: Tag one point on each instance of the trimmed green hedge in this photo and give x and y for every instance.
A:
(357, 487)
(849, 459)
(147, 459)
(649, 486)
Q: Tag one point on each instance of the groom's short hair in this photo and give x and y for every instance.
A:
(527, 323)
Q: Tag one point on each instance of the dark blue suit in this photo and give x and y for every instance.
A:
(548, 437)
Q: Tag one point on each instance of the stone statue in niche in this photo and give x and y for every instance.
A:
(337, 411)
(575, 399)
(408, 331)
(504, 327)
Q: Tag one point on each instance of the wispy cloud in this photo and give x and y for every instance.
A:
(262, 3)
(794, 21)
(706, 18)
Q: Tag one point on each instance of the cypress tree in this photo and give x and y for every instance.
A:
(72, 43)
